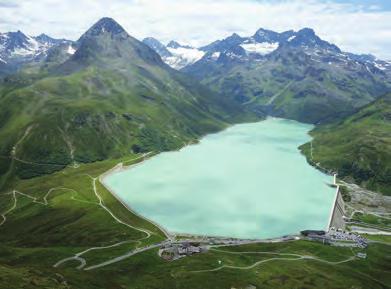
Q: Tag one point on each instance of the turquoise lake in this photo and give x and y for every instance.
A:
(248, 181)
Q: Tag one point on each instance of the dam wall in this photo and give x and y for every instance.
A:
(338, 212)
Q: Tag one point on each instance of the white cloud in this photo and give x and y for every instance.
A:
(198, 22)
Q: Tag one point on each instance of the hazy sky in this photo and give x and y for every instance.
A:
(354, 25)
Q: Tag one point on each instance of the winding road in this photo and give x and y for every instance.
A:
(295, 257)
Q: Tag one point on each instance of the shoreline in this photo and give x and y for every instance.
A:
(118, 168)
(337, 196)
(121, 168)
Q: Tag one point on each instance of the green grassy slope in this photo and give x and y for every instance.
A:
(292, 84)
(35, 236)
(114, 96)
(109, 103)
(358, 148)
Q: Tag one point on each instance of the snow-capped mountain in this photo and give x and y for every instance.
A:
(267, 44)
(235, 47)
(174, 54)
(16, 47)
(263, 43)
(159, 47)
(293, 74)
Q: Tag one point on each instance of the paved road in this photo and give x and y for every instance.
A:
(294, 257)
(120, 258)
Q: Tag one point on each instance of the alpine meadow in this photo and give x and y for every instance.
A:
(169, 144)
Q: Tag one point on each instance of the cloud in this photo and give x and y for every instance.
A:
(8, 4)
(353, 27)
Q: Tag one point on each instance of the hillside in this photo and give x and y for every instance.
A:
(358, 148)
(108, 100)
(294, 75)
(54, 217)
(112, 97)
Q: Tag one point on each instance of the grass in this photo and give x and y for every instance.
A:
(318, 93)
(92, 113)
(148, 271)
(76, 206)
(372, 220)
(358, 148)
(105, 110)
(36, 236)
(380, 238)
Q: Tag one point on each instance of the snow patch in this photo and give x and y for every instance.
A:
(22, 52)
(1, 60)
(379, 66)
(260, 48)
(291, 38)
(33, 47)
(232, 55)
(183, 56)
(215, 55)
(71, 50)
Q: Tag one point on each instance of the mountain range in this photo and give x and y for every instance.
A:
(17, 49)
(71, 111)
(291, 74)
(112, 96)
(174, 54)
(262, 43)
(108, 94)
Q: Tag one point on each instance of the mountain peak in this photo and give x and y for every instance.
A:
(308, 38)
(173, 44)
(307, 31)
(157, 46)
(107, 42)
(264, 35)
(152, 40)
(105, 25)
(45, 38)
(43, 35)
(17, 34)
(261, 31)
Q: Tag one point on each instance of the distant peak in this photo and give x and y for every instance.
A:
(17, 35)
(20, 33)
(44, 37)
(307, 31)
(106, 24)
(152, 41)
(262, 31)
(107, 21)
(235, 35)
(173, 44)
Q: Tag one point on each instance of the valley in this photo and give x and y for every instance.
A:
(108, 102)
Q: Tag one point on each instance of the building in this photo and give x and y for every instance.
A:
(362, 255)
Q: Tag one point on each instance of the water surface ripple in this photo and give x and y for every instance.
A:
(249, 181)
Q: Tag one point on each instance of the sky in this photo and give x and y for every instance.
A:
(354, 25)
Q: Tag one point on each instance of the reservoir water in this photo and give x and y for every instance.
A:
(248, 181)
